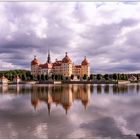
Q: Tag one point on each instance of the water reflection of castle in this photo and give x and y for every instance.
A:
(61, 95)
(65, 95)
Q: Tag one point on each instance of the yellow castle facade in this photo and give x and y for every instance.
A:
(63, 67)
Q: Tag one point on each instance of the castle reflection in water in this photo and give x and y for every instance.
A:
(61, 95)
(65, 95)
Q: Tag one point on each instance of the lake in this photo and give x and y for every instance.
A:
(69, 111)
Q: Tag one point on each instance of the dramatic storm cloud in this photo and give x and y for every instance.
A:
(107, 33)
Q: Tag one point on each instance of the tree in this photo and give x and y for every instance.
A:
(38, 77)
(115, 77)
(42, 77)
(31, 77)
(78, 77)
(99, 77)
(24, 77)
(85, 77)
(46, 77)
(10, 76)
(91, 76)
(28, 75)
(52, 76)
(106, 77)
(56, 77)
(110, 76)
(62, 77)
(72, 77)
(122, 76)
(59, 77)
(67, 78)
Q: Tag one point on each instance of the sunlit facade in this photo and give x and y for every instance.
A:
(63, 67)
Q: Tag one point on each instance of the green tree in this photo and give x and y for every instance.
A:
(10, 77)
(91, 76)
(85, 77)
(67, 78)
(121, 77)
(52, 76)
(59, 77)
(115, 77)
(38, 77)
(106, 77)
(62, 77)
(72, 77)
(56, 77)
(31, 77)
(99, 77)
(42, 77)
(78, 77)
(46, 77)
(24, 77)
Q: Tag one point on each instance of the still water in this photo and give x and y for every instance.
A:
(69, 111)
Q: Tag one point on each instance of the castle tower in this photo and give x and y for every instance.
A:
(49, 57)
(66, 66)
(85, 67)
(34, 66)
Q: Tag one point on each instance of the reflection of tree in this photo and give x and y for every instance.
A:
(91, 89)
(138, 88)
(106, 88)
(99, 89)
(115, 89)
(132, 88)
(120, 89)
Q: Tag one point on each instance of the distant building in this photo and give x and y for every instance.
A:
(63, 67)
(132, 78)
(3, 80)
(16, 79)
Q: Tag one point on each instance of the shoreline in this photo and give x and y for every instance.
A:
(71, 82)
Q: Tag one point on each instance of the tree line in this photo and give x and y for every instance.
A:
(25, 75)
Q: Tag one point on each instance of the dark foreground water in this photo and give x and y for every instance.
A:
(69, 111)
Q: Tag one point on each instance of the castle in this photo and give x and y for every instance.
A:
(63, 67)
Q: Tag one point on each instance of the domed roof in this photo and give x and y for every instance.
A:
(85, 62)
(35, 61)
(66, 59)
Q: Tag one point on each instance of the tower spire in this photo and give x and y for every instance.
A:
(49, 57)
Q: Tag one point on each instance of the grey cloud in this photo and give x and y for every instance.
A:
(95, 42)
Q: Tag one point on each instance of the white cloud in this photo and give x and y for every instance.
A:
(100, 30)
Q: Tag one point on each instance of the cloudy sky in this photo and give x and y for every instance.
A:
(106, 32)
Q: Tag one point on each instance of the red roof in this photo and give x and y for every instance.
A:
(57, 63)
(66, 59)
(35, 61)
(85, 62)
(78, 66)
(46, 65)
